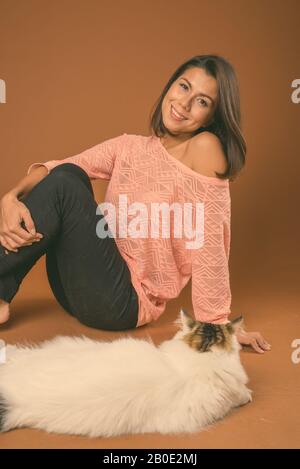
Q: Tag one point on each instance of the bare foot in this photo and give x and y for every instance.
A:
(4, 311)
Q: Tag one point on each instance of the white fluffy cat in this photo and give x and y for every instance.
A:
(80, 386)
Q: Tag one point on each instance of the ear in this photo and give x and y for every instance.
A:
(184, 320)
(236, 323)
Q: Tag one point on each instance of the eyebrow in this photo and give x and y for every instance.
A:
(201, 94)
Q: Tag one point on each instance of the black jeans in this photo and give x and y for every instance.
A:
(87, 274)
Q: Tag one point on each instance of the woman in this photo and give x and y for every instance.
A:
(121, 280)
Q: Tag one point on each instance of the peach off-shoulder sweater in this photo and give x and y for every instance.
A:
(141, 169)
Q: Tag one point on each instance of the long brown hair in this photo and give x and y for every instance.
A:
(227, 116)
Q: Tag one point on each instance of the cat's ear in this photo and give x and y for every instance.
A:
(184, 320)
(236, 323)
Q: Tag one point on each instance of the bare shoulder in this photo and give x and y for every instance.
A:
(207, 154)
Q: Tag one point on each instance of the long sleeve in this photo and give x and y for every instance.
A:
(98, 161)
(211, 293)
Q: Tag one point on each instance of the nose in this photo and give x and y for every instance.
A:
(184, 104)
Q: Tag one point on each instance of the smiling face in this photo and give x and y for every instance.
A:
(194, 96)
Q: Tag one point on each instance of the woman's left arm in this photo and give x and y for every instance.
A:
(211, 291)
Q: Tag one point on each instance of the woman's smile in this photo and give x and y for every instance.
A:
(175, 115)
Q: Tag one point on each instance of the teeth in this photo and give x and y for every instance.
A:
(176, 114)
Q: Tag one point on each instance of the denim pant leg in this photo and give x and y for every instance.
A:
(88, 275)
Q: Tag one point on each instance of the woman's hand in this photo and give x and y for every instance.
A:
(253, 339)
(12, 234)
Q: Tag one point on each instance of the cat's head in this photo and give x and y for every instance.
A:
(204, 336)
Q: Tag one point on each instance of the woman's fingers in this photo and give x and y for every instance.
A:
(12, 246)
(13, 241)
(7, 244)
(256, 346)
(16, 241)
(2, 242)
(27, 223)
(262, 342)
(21, 235)
(254, 340)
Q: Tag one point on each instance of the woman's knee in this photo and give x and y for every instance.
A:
(66, 172)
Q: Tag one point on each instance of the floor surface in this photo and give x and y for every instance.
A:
(270, 421)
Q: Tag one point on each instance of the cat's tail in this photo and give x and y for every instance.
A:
(3, 413)
(5, 406)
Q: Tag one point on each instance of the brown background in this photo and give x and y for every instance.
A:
(79, 72)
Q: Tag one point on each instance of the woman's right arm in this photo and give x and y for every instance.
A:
(98, 162)
(13, 212)
(28, 182)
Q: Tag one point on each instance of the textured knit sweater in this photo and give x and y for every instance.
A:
(142, 170)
